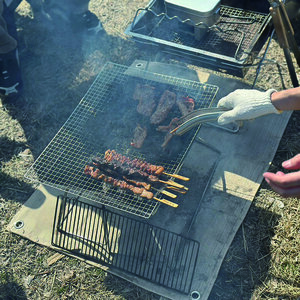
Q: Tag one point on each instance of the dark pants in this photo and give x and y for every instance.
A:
(7, 42)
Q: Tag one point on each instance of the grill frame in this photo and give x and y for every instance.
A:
(146, 251)
(61, 163)
(197, 52)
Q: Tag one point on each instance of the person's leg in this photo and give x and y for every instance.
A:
(7, 42)
(10, 74)
(76, 12)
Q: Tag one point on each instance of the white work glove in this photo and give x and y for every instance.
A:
(246, 105)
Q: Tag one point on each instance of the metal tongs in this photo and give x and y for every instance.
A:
(197, 117)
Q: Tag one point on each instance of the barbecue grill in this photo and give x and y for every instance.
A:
(105, 119)
(229, 43)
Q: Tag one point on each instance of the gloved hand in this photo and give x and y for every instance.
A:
(245, 105)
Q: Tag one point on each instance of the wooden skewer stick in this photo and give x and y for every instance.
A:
(167, 202)
(165, 193)
(181, 191)
(177, 176)
(173, 183)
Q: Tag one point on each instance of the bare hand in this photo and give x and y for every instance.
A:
(286, 185)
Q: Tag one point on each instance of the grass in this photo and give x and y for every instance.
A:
(263, 261)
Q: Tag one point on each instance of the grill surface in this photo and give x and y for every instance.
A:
(105, 119)
(124, 243)
(228, 45)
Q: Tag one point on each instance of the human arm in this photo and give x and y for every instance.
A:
(287, 185)
(286, 99)
(246, 104)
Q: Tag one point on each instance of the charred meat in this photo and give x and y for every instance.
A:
(166, 102)
(140, 134)
(145, 94)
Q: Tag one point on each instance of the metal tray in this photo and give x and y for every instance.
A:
(105, 119)
(229, 46)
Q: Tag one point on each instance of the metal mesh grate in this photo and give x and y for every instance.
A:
(233, 36)
(105, 119)
(123, 243)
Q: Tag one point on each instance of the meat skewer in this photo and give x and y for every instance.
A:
(145, 185)
(117, 168)
(113, 156)
(122, 184)
(115, 164)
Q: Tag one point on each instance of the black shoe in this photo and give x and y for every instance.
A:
(86, 21)
(10, 74)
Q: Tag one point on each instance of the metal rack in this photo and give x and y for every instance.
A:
(229, 46)
(125, 244)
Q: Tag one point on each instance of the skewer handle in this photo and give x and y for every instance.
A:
(177, 176)
(175, 189)
(169, 194)
(173, 183)
(165, 193)
(167, 202)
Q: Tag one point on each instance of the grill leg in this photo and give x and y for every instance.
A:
(285, 34)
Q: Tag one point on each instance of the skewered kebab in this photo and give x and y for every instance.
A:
(122, 184)
(148, 187)
(120, 169)
(111, 156)
(118, 172)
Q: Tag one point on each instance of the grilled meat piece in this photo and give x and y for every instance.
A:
(166, 102)
(185, 105)
(113, 156)
(119, 168)
(122, 184)
(139, 136)
(173, 124)
(145, 93)
(145, 185)
(119, 171)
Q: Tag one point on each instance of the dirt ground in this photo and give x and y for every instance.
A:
(58, 66)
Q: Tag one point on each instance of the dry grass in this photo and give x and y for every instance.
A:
(263, 261)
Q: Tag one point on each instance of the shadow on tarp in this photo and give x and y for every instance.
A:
(247, 262)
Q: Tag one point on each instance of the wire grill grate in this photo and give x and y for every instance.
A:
(126, 244)
(104, 119)
(236, 30)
